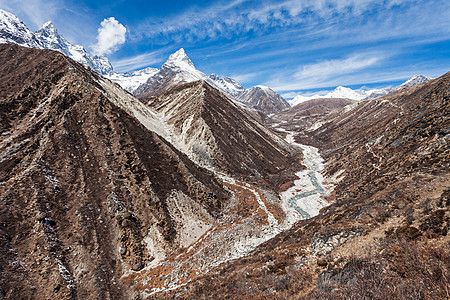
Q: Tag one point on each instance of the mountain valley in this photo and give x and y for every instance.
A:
(167, 183)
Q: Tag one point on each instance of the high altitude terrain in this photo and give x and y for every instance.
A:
(204, 189)
(92, 187)
(387, 234)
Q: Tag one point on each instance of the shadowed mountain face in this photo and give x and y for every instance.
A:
(87, 192)
(216, 132)
(390, 224)
(264, 99)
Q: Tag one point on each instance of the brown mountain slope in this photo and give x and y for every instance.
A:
(302, 116)
(263, 98)
(387, 235)
(314, 107)
(217, 133)
(87, 192)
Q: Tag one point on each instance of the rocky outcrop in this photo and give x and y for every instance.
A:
(264, 99)
(216, 132)
(88, 193)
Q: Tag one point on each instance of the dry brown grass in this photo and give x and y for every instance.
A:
(405, 270)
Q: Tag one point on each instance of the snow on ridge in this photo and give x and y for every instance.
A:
(360, 94)
(14, 31)
(345, 92)
(130, 81)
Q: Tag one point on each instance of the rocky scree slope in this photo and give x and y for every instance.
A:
(88, 193)
(264, 99)
(217, 133)
(387, 235)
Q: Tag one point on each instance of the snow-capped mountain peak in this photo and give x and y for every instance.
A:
(361, 94)
(345, 92)
(51, 39)
(228, 85)
(416, 79)
(49, 25)
(179, 58)
(180, 69)
(214, 77)
(132, 80)
(14, 31)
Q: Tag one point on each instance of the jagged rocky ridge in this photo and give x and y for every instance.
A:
(179, 69)
(220, 134)
(228, 85)
(264, 99)
(14, 31)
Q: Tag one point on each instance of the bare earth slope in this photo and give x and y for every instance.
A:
(87, 192)
(264, 99)
(302, 116)
(387, 235)
(216, 132)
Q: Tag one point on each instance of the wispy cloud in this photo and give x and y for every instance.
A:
(222, 21)
(154, 59)
(135, 62)
(244, 78)
(380, 78)
(331, 68)
(323, 73)
(111, 35)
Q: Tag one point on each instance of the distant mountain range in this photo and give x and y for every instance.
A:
(180, 69)
(149, 81)
(14, 31)
(361, 94)
(177, 69)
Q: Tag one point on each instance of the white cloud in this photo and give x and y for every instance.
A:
(245, 78)
(330, 68)
(326, 73)
(111, 34)
(289, 95)
(219, 20)
(137, 62)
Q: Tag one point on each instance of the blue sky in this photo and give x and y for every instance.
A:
(293, 46)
